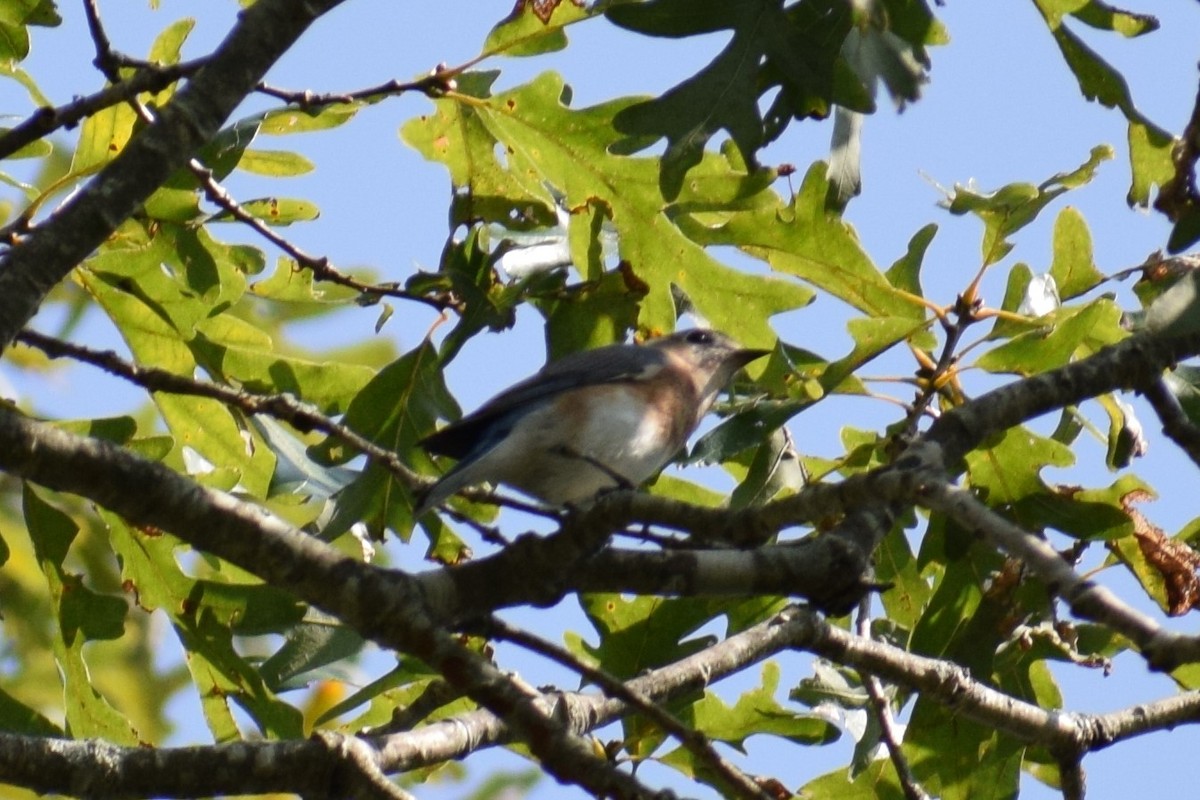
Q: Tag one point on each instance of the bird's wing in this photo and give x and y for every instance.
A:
(487, 425)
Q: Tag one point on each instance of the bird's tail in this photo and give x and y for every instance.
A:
(459, 477)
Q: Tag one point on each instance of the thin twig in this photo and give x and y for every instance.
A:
(964, 317)
(108, 61)
(320, 266)
(1072, 778)
(47, 119)
(1176, 424)
(1178, 196)
(435, 84)
(694, 741)
(301, 416)
(883, 715)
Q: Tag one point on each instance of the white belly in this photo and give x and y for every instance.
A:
(570, 457)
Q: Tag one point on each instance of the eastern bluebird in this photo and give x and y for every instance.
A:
(595, 420)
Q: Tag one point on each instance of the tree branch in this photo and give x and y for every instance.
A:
(881, 707)
(1162, 649)
(740, 784)
(39, 261)
(1176, 425)
(386, 606)
(1131, 364)
(46, 120)
(98, 769)
(299, 415)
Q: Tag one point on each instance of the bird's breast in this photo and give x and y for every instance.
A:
(596, 438)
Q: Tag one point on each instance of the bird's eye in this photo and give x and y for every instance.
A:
(699, 337)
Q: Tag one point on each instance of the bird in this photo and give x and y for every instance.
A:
(592, 421)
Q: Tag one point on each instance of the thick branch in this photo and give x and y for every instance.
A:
(1067, 734)
(385, 606)
(1161, 648)
(1176, 424)
(1136, 362)
(46, 119)
(100, 770)
(38, 262)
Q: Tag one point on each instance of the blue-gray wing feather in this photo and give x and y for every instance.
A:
(482, 429)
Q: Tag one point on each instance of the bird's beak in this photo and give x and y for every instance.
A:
(744, 356)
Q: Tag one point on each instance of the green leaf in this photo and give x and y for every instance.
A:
(877, 782)
(772, 469)
(1093, 326)
(35, 149)
(487, 303)
(408, 674)
(1006, 211)
(548, 143)
(80, 615)
(905, 273)
(275, 163)
(26, 80)
(113, 429)
(592, 314)
(293, 120)
(395, 410)
(1186, 231)
(1073, 269)
(962, 568)
(223, 152)
(291, 283)
(897, 568)
(309, 647)
(957, 759)
(205, 426)
(101, 136)
(525, 33)
(29, 12)
(641, 633)
(797, 49)
(18, 718)
(1184, 383)
(14, 42)
(460, 139)
(1150, 145)
(280, 211)
(1174, 311)
(814, 244)
(205, 615)
(1150, 159)
(168, 46)
(226, 351)
(758, 712)
(1104, 17)
(755, 712)
(167, 49)
(913, 20)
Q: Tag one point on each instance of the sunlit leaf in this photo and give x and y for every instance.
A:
(797, 49)
(80, 615)
(205, 615)
(282, 211)
(1007, 210)
(525, 32)
(548, 143)
(276, 163)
